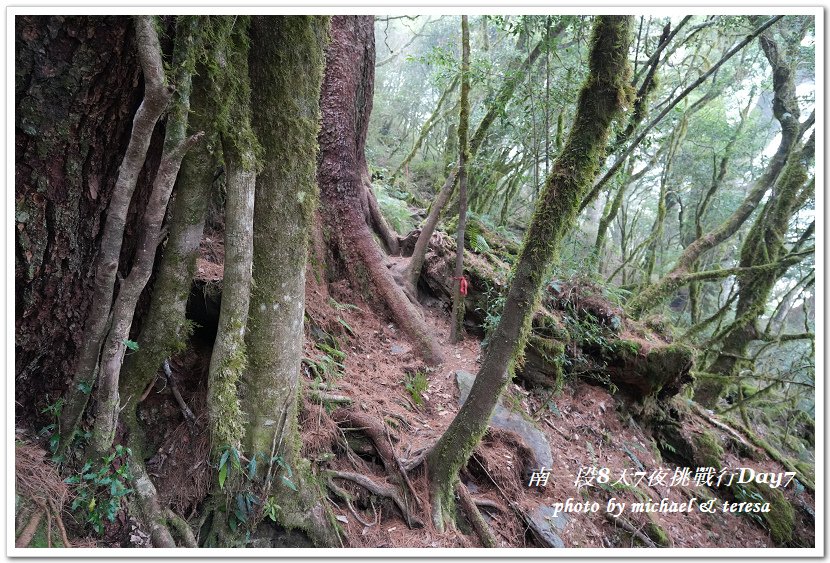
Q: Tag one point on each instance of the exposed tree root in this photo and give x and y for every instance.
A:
(628, 527)
(347, 498)
(487, 503)
(182, 529)
(59, 522)
(28, 532)
(478, 523)
(714, 422)
(383, 491)
(149, 508)
(186, 412)
(323, 398)
(531, 525)
(379, 436)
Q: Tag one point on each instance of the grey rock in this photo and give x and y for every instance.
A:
(506, 419)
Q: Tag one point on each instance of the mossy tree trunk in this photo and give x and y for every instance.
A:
(239, 149)
(601, 100)
(346, 102)
(164, 329)
(785, 110)
(286, 66)
(457, 327)
(764, 245)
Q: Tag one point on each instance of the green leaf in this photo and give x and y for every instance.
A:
(252, 468)
(288, 483)
(131, 344)
(223, 474)
(346, 326)
(224, 458)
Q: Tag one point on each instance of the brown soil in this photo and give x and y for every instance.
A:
(588, 426)
(585, 426)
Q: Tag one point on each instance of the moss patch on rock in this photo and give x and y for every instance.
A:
(708, 451)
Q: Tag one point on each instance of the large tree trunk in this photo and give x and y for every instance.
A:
(601, 100)
(286, 65)
(74, 102)
(346, 102)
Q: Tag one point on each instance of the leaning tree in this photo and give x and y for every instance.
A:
(603, 95)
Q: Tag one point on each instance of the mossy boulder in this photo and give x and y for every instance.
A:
(646, 370)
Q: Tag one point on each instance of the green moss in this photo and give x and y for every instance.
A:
(657, 534)
(806, 469)
(664, 363)
(708, 451)
(627, 349)
(780, 520)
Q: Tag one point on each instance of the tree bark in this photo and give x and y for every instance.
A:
(601, 99)
(346, 101)
(286, 65)
(457, 327)
(74, 102)
(157, 94)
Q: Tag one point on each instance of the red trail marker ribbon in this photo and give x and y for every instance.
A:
(463, 284)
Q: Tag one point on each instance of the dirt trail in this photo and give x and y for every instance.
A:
(585, 426)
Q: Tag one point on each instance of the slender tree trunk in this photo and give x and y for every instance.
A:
(425, 129)
(239, 146)
(346, 102)
(165, 330)
(156, 96)
(601, 99)
(457, 327)
(176, 145)
(785, 109)
(589, 198)
(411, 270)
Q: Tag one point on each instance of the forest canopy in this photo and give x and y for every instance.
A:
(406, 281)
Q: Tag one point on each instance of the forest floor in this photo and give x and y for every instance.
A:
(585, 425)
(353, 353)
